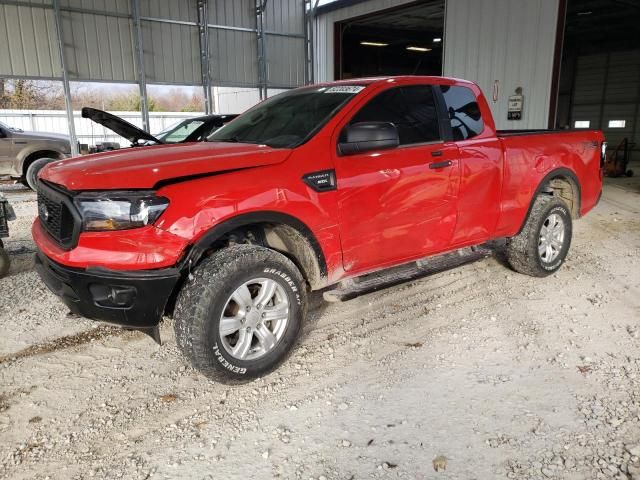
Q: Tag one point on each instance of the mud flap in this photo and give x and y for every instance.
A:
(153, 332)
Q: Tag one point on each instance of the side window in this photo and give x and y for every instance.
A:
(464, 112)
(411, 109)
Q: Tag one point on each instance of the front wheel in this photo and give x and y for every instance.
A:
(542, 245)
(31, 177)
(239, 317)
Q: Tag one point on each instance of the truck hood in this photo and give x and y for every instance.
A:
(118, 125)
(145, 167)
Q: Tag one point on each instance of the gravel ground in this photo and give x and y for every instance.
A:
(475, 373)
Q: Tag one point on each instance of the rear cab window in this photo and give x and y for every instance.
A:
(411, 109)
(464, 111)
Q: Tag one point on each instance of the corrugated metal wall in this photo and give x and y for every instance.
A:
(607, 87)
(29, 42)
(511, 41)
(324, 32)
(98, 38)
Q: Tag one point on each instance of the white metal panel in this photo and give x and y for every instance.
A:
(98, 47)
(324, 30)
(511, 41)
(235, 13)
(120, 7)
(28, 38)
(233, 56)
(284, 16)
(285, 61)
(183, 10)
(171, 53)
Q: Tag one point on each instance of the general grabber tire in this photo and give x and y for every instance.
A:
(239, 316)
(542, 245)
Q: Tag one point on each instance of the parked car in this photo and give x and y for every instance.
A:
(23, 154)
(307, 189)
(6, 215)
(195, 129)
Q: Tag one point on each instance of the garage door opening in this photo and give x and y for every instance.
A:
(599, 85)
(406, 40)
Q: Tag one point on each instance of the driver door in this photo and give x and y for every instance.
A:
(398, 204)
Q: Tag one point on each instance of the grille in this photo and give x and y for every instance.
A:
(55, 216)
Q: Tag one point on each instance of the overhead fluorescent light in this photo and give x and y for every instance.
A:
(582, 124)
(437, 40)
(419, 49)
(374, 44)
(588, 12)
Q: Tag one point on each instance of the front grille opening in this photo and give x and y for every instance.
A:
(56, 218)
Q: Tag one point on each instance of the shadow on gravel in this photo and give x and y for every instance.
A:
(69, 341)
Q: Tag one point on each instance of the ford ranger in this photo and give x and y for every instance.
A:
(307, 189)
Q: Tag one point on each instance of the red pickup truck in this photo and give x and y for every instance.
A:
(307, 189)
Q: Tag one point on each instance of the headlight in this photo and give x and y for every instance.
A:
(603, 153)
(119, 210)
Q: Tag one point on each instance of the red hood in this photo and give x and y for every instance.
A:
(144, 167)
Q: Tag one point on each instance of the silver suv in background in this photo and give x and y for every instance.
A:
(23, 154)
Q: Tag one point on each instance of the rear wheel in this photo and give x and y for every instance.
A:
(240, 315)
(542, 245)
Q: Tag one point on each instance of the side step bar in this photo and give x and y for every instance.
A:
(372, 282)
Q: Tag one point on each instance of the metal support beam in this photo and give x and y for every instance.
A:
(142, 80)
(203, 30)
(262, 54)
(310, 7)
(65, 79)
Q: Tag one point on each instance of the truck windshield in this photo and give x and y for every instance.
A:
(289, 119)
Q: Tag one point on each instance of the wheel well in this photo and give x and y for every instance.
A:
(286, 239)
(565, 188)
(32, 157)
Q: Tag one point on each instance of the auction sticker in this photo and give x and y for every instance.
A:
(345, 89)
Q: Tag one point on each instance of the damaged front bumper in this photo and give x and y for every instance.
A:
(131, 299)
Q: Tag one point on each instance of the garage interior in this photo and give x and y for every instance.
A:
(477, 372)
(600, 74)
(397, 41)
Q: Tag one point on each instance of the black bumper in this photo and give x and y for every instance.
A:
(134, 299)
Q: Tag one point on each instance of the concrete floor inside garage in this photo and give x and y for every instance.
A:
(504, 375)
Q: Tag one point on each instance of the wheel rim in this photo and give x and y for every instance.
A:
(254, 319)
(551, 238)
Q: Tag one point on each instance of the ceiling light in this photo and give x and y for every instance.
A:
(437, 40)
(374, 44)
(588, 12)
(419, 49)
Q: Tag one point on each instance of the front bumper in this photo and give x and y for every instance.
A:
(134, 299)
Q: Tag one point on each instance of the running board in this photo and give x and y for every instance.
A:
(372, 282)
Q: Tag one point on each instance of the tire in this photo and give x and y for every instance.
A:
(206, 300)
(524, 250)
(31, 177)
(5, 263)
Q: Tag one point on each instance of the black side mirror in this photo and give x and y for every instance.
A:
(367, 136)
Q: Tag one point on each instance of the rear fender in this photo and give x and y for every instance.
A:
(544, 188)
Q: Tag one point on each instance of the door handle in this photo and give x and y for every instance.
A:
(446, 163)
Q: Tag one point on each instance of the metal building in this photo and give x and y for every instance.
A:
(569, 60)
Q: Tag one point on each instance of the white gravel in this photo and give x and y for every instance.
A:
(476, 373)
